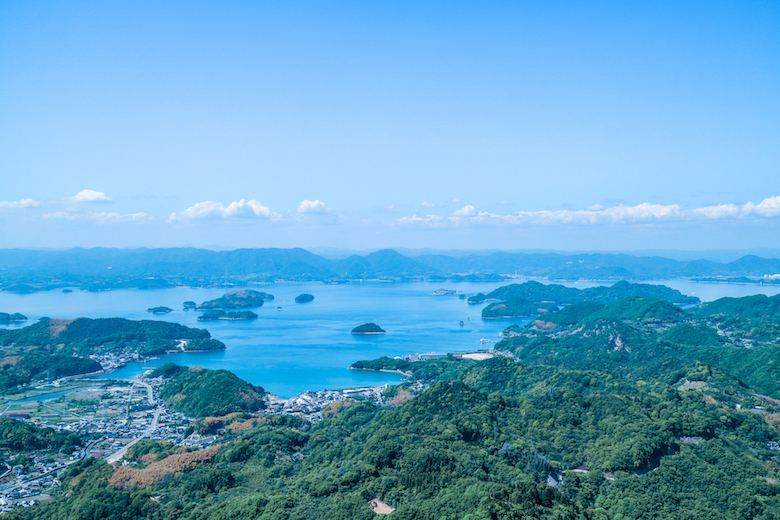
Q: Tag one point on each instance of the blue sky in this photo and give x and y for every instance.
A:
(509, 125)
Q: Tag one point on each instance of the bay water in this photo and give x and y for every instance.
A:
(308, 346)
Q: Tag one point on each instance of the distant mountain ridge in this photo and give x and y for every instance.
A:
(102, 269)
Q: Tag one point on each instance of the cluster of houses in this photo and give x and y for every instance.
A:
(309, 404)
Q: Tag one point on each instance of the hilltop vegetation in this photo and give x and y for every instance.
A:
(517, 307)
(198, 392)
(495, 439)
(646, 337)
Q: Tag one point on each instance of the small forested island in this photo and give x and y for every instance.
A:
(238, 299)
(368, 328)
(190, 305)
(304, 298)
(222, 315)
(9, 318)
(199, 392)
(159, 310)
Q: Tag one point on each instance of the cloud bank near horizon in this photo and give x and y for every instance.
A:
(597, 214)
(468, 215)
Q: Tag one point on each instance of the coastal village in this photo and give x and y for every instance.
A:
(111, 416)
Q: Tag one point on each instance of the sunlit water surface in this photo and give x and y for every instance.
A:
(309, 346)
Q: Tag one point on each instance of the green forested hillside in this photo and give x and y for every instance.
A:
(635, 409)
(56, 348)
(83, 335)
(21, 436)
(518, 299)
(650, 338)
(198, 392)
(496, 439)
(516, 307)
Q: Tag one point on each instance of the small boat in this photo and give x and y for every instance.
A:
(278, 308)
(461, 323)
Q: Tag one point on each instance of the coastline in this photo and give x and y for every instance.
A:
(389, 371)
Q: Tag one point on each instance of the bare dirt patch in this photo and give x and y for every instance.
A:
(125, 477)
(401, 397)
(333, 409)
(479, 356)
(57, 326)
(380, 508)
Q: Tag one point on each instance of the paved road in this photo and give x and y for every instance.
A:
(121, 453)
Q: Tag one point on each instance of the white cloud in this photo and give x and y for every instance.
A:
(100, 218)
(717, 212)
(466, 211)
(506, 203)
(216, 210)
(597, 214)
(313, 207)
(766, 208)
(15, 204)
(427, 204)
(89, 196)
(435, 220)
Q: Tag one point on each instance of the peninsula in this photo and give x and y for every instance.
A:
(57, 348)
(534, 298)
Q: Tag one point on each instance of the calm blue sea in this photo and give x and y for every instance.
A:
(309, 346)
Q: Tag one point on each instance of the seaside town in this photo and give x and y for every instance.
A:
(110, 416)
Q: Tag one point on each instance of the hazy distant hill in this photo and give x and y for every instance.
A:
(384, 263)
(102, 269)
